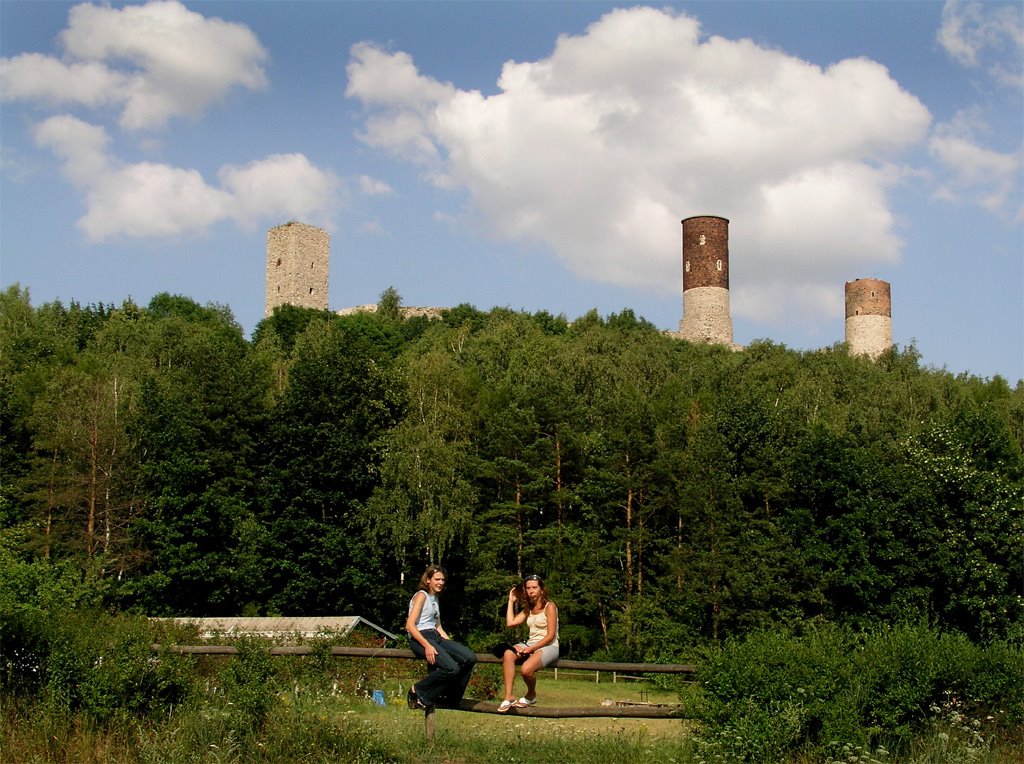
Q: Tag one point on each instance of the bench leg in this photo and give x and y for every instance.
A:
(428, 723)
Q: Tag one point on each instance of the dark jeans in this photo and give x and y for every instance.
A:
(446, 683)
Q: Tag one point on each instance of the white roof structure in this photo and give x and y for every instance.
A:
(340, 625)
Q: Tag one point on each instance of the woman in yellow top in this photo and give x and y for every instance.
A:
(540, 648)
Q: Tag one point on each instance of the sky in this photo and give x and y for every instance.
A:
(529, 155)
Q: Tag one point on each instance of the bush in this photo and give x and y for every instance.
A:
(777, 693)
(249, 685)
(90, 662)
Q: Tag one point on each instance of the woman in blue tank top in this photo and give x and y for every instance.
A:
(451, 664)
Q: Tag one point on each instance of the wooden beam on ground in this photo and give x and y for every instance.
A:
(650, 711)
(392, 652)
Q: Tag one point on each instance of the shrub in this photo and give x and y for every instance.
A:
(776, 692)
(104, 666)
(91, 662)
(779, 692)
(248, 683)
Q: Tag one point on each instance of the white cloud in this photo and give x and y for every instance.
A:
(374, 187)
(158, 61)
(82, 147)
(149, 199)
(33, 76)
(988, 35)
(992, 179)
(283, 185)
(600, 149)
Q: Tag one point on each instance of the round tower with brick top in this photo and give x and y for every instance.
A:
(298, 258)
(706, 315)
(868, 317)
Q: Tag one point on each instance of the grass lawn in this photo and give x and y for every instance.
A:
(462, 736)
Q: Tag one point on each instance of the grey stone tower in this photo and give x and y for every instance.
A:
(298, 258)
(706, 315)
(868, 317)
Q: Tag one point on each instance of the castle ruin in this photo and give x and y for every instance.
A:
(298, 258)
(868, 317)
(706, 315)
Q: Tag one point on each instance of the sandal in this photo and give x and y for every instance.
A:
(525, 702)
(415, 701)
(505, 706)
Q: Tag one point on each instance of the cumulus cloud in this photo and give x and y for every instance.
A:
(284, 185)
(81, 146)
(148, 199)
(33, 76)
(986, 35)
(155, 61)
(598, 151)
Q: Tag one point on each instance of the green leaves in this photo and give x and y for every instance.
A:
(669, 492)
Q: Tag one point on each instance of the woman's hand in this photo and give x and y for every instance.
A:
(431, 653)
(512, 596)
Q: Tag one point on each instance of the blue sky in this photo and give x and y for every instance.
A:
(534, 155)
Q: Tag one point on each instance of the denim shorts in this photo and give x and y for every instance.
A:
(548, 654)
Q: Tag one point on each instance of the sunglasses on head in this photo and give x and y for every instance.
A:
(532, 578)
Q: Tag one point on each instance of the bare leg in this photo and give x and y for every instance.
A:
(508, 671)
(530, 669)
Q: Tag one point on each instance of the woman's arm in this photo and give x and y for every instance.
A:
(410, 626)
(551, 613)
(511, 617)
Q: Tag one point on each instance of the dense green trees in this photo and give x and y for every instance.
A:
(671, 493)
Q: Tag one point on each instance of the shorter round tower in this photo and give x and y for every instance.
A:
(868, 317)
(298, 260)
(706, 316)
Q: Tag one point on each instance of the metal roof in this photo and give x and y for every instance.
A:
(340, 625)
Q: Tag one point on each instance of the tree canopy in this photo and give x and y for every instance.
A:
(670, 493)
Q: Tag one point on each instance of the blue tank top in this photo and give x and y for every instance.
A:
(430, 614)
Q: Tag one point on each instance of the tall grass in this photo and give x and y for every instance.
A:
(90, 690)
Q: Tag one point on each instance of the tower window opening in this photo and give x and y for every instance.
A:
(703, 240)
(311, 290)
(872, 292)
(279, 262)
(718, 264)
(687, 266)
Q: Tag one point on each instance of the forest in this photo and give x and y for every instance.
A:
(156, 461)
